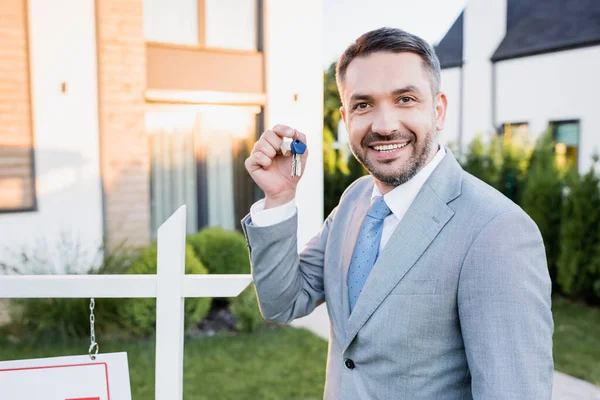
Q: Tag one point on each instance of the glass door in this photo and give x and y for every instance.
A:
(197, 158)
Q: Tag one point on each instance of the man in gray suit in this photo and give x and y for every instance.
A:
(436, 284)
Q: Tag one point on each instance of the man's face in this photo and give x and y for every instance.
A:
(391, 115)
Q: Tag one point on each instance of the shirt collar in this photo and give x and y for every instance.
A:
(400, 198)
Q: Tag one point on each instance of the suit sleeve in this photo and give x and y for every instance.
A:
(288, 284)
(505, 314)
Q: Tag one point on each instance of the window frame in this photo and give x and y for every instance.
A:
(552, 124)
(502, 129)
(503, 126)
(34, 207)
(201, 39)
(34, 201)
(201, 165)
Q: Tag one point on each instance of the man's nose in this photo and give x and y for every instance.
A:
(385, 122)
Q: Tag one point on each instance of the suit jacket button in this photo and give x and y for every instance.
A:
(349, 363)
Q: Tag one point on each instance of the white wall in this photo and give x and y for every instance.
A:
(293, 51)
(484, 29)
(451, 86)
(62, 49)
(555, 86)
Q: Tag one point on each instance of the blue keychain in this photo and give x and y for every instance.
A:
(298, 148)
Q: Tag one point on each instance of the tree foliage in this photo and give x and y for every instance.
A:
(542, 198)
(579, 259)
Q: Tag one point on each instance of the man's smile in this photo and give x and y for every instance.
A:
(388, 150)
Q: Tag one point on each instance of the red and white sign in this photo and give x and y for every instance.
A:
(66, 378)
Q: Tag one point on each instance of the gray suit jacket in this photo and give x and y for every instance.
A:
(457, 305)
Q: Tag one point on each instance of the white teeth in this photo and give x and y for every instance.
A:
(389, 147)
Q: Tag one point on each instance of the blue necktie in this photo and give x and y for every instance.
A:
(366, 249)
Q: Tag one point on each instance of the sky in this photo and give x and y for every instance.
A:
(345, 20)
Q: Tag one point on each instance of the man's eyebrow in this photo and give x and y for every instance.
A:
(406, 89)
(397, 92)
(360, 96)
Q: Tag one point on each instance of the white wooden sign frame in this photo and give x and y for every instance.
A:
(169, 286)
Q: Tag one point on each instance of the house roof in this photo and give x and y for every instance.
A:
(533, 29)
(450, 48)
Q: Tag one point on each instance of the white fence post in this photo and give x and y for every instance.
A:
(170, 307)
(170, 286)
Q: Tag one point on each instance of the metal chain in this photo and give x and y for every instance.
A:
(93, 345)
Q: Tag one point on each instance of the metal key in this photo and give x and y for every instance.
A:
(298, 148)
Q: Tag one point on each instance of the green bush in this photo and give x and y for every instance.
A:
(579, 260)
(478, 161)
(501, 164)
(221, 251)
(51, 320)
(512, 171)
(246, 310)
(570, 226)
(542, 198)
(139, 315)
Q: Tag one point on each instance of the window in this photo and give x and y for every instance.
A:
(170, 21)
(17, 178)
(172, 167)
(226, 137)
(566, 136)
(516, 133)
(197, 159)
(231, 24)
(223, 24)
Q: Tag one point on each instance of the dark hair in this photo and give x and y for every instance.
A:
(394, 41)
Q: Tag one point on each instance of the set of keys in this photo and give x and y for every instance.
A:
(297, 148)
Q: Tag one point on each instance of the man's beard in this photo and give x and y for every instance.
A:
(420, 154)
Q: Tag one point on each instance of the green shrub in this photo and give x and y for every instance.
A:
(511, 172)
(499, 164)
(542, 198)
(50, 320)
(478, 162)
(139, 315)
(221, 251)
(246, 310)
(579, 260)
(334, 175)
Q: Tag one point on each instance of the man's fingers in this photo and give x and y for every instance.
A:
(302, 137)
(284, 131)
(274, 139)
(257, 160)
(265, 147)
(271, 138)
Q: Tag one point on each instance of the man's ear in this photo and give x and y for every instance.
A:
(441, 104)
(343, 112)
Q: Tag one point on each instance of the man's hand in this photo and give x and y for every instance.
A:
(270, 169)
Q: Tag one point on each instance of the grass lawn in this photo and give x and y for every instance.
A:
(276, 363)
(288, 363)
(577, 340)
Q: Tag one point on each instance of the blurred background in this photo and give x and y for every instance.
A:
(113, 113)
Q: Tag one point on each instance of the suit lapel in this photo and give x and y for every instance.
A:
(425, 218)
(337, 291)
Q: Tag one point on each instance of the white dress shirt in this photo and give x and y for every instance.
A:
(398, 200)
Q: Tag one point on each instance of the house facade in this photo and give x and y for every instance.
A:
(521, 67)
(113, 113)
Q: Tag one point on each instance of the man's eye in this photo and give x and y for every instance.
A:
(361, 106)
(406, 100)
